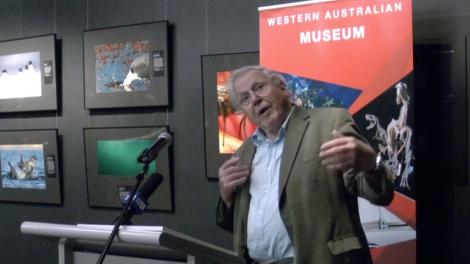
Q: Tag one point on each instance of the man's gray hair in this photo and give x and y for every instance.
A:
(275, 77)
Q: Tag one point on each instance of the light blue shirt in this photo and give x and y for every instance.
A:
(267, 236)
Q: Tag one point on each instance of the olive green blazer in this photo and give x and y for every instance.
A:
(318, 207)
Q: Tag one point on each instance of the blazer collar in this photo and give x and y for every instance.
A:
(296, 127)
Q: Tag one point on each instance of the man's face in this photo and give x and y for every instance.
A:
(266, 104)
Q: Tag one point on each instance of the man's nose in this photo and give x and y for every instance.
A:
(256, 99)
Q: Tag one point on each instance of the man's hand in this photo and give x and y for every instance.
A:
(344, 153)
(231, 175)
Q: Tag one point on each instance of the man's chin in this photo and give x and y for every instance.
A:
(266, 125)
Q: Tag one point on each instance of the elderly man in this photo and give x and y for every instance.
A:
(289, 194)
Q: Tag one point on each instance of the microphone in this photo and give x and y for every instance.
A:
(151, 153)
(136, 206)
(139, 203)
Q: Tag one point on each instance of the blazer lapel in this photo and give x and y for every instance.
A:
(246, 158)
(295, 131)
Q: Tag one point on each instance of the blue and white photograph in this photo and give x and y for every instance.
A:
(22, 166)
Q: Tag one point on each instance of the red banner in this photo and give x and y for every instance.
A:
(356, 54)
(366, 45)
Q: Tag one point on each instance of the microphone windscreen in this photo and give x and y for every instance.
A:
(166, 136)
(150, 185)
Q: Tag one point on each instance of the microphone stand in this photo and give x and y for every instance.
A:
(122, 217)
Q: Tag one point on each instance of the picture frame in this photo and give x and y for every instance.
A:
(216, 68)
(126, 66)
(30, 166)
(28, 75)
(111, 165)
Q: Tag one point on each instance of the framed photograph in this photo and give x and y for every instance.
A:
(28, 75)
(225, 127)
(111, 165)
(126, 66)
(29, 162)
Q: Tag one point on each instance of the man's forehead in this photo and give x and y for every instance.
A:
(249, 78)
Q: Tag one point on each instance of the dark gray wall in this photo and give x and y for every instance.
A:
(197, 27)
(443, 208)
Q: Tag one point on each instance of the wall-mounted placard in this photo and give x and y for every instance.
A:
(28, 75)
(111, 165)
(126, 66)
(29, 162)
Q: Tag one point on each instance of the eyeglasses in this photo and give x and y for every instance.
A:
(258, 89)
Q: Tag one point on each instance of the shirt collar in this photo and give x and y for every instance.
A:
(259, 136)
